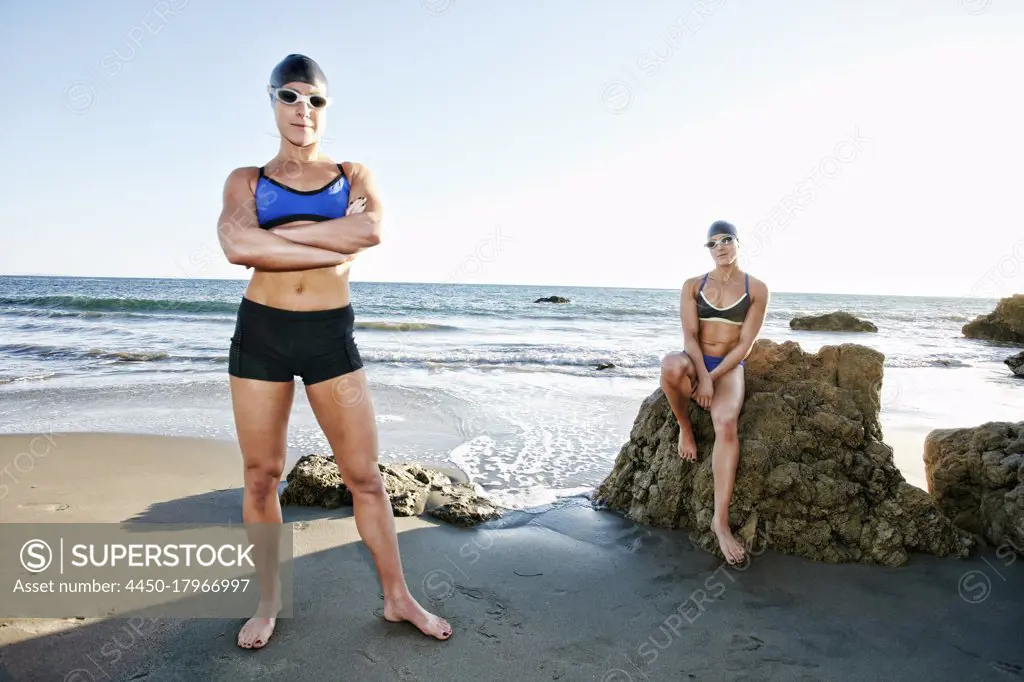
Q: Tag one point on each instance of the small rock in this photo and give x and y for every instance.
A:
(316, 482)
(832, 322)
(1016, 363)
(552, 299)
(461, 506)
(605, 365)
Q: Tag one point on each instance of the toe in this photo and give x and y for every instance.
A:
(443, 630)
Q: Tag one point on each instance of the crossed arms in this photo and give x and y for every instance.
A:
(296, 247)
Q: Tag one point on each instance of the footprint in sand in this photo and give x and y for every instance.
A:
(471, 592)
(1011, 668)
(406, 675)
(745, 643)
(484, 636)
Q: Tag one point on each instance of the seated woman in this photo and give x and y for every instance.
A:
(722, 313)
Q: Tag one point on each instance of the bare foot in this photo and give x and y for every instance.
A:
(731, 548)
(687, 446)
(257, 630)
(406, 608)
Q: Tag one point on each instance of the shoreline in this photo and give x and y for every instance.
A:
(905, 438)
(590, 595)
(907, 442)
(449, 432)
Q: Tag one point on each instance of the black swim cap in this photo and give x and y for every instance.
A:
(722, 227)
(298, 68)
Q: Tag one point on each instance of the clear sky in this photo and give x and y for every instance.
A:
(860, 147)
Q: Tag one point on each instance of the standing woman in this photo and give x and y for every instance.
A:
(292, 221)
(721, 313)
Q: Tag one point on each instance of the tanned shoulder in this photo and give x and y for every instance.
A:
(244, 176)
(363, 184)
(354, 171)
(758, 288)
(690, 285)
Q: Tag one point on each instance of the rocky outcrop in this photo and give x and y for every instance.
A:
(976, 476)
(1004, 324)
(413, 490)
(1016, 363)
(832, 322)
(814, 479)
(316, 482)
(552, 299)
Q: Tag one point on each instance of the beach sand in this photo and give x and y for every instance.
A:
(907, 444)
(563, 593)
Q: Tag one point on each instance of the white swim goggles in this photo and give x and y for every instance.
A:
(289, 96)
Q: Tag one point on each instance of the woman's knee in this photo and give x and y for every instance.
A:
(675, 367)
(726, 424)
(365, 481)
(261, 480)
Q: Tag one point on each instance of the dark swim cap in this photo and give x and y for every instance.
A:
(298, 68)
(722, 227)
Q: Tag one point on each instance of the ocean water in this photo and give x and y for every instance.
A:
(472, 375)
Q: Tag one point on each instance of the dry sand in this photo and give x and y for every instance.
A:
(908, 451)
(567, 593)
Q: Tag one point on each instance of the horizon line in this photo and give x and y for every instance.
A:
(497, 284)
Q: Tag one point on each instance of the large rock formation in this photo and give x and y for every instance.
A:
(413, 489)
(832, 322)
(977, 478)
(1016, 363)
(814, 477)
(1005, 323)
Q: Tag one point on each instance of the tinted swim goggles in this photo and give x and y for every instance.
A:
(289, 96)
(724, 241)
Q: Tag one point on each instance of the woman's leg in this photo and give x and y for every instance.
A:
(261, 412)
(344, 409)
(677, 381)
(725, 411)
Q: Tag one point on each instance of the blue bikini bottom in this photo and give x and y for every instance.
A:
(712, 361)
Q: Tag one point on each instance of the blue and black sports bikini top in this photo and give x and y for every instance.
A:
(733, 314)
(277, 204)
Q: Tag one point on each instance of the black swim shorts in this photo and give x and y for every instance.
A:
(272, 344)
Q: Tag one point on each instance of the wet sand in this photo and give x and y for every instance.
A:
(562, 593)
